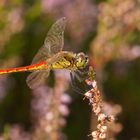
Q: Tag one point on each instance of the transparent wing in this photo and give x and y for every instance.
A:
(37, 78)
(53, 43)
(78, 78)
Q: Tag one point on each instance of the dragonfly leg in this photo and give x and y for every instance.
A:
(74, 84)
(78, 83)
(81, 75)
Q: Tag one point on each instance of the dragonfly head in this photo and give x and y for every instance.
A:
(81, 60)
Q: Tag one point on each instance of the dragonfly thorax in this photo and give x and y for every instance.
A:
(81, 60)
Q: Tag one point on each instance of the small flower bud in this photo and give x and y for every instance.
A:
(111, 118)
(88, 94)
(95, 139)
(97, 109)
(101, 117)
(99, 126)
(102, 135)
(94, 84)
(88, 82)
(91, 101)
(103, 129)
(95, 134)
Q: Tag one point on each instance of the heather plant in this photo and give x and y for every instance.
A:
(117, 41)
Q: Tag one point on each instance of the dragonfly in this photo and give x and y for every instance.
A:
(51, 57)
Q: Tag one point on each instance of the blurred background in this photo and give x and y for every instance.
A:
(108, 31)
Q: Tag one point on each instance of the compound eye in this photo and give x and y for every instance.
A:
(79, 59)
